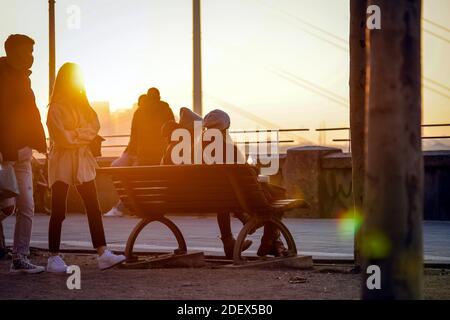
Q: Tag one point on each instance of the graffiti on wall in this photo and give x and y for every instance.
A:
(335, 192)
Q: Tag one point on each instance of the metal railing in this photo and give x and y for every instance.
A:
(285, 141)
(432, 125)
(231, 132)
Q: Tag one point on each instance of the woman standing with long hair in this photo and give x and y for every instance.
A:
(73, 125)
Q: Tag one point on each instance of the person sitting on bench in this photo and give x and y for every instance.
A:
(187, 119)
(270, 241)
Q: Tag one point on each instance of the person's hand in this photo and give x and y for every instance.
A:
(25, 154)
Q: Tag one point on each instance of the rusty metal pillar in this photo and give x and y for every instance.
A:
(392, 229)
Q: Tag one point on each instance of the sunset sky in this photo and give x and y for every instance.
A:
(257, 55)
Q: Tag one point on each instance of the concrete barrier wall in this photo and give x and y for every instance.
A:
(323, 177)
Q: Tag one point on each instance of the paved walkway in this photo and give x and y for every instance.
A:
(319, 238)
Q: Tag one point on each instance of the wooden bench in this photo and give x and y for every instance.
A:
(152, 192)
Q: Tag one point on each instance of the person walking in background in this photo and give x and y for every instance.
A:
(146, 146)
(21, 131)
(73, 125)
(125, 160)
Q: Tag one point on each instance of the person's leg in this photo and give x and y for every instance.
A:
(7, 208)
(25, 208)
(24, 220)
(124, 160)
(271, 243)
(226, 235)
(58, 214)
(224, 222)
(2, 242)
(106, 259)
(242, 217)
(88, 193)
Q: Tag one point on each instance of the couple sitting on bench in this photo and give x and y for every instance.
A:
(271, 243)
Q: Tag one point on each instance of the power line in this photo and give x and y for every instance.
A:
(322, 89)
(437, 25)
(438, 92)
(334, 36)
(436, 83)
(313, 89)
(255, 118)
(436, 35)
(346, 49)
(342, 46)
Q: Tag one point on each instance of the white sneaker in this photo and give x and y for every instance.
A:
(56, 264)
(108, 260)
(114, 212)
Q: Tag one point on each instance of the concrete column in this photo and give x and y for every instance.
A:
(197, 58)
(301, 173)
(51, 47)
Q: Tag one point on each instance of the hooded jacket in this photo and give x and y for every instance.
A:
(20, 121)
(146, 141)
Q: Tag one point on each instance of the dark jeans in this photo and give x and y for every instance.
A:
(88, 193)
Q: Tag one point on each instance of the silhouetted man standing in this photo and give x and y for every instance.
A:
(20, 131)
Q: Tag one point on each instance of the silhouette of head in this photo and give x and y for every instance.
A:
(142, 101)
(153, 95)
(19, 51)
(69, 89)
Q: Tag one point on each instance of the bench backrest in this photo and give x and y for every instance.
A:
(189, 188)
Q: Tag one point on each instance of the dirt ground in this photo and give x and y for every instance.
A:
(322, 282)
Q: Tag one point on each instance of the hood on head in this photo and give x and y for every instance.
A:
(217, 119)
(187, 118)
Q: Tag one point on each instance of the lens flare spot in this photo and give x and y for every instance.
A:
(349, 223)
(376, 245)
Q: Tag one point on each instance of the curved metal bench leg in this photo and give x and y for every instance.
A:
(254, 224)
(250, 226)
(182, 248)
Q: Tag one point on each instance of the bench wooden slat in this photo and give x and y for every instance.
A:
(156, 207)
(182, 198)
(194, 188)
(140, 182)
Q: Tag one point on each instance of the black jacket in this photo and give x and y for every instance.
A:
(20, 121)
(146, 141)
